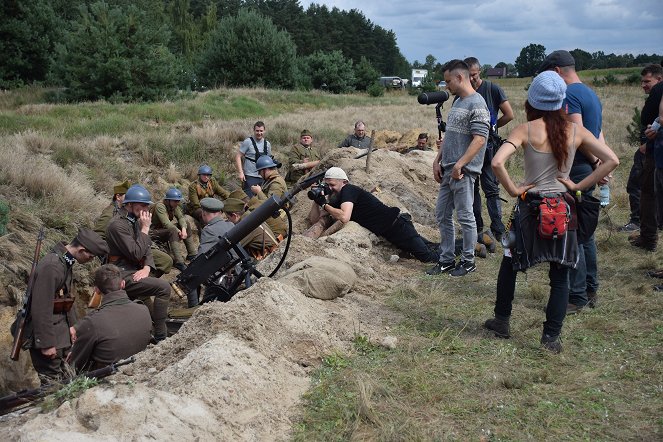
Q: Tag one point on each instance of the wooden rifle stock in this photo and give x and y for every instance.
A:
(23, 313)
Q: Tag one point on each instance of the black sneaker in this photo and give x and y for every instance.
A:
(551, 343)
(463, 268)
(629, 227)
(441, 267)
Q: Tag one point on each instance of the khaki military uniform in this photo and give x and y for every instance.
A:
(166, 225)
(274, 185)
(298, 155)
(119, 328)
(198, 191)
(130, 250)
(101, 224)
(260, 242)
(53, 280)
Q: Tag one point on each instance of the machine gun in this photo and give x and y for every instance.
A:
(8, 403)
(213, 267)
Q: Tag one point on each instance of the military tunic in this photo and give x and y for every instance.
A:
(274, 185)
(101, 224)
(119, 328)
(53, 279)
(298, 155)
(199, 190)
(130, 251)
(166, 225)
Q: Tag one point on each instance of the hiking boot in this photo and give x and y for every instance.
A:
(634, 235)
(190, 257)
(180, 266)
(655, 274)
(551, 343)
(629, 227)
(488, 240)
(499, 325)
(441, 267)
(498, 236)
(572, 309)
(642, 243)
(463, 268)
(658, 288)
(593, 299)
(480, 250)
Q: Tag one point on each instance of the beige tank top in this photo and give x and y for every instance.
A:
(541, 167)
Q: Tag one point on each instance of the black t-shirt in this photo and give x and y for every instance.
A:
(368, 211)
(650, 112)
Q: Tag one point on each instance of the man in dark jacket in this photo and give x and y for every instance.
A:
(117, 329)
(129, 249)
(51, 314)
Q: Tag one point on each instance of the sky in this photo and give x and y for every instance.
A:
(496, 30)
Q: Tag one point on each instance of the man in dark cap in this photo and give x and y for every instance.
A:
(116, 329)
(51, 315)
(112, 209)
(215, 225)
(302, 158)
(129, 247)
(582, 107)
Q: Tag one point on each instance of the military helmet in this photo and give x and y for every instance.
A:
(204, 170)
(137, 194)
(173, 194)
(265, 162)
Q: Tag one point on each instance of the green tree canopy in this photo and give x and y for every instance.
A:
(530, 59)
(331, 71)
(248, 50)
(365, 74)
(118, 53)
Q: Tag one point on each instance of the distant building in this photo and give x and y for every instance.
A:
(496, 72)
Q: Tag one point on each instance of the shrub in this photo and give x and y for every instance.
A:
(634, 127)
(375, 90)
(331, 71)
(365, 74)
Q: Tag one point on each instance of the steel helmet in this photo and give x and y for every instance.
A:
(204, 170)
(173, 194)
(265, 162)
(137, 194)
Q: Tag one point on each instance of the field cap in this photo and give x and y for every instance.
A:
(547, 91)
(121, 188)
(237, 194)
(305, 132)
(212, 205)
(92, 242)
(557, 59)
(336, 173)
(233, 205)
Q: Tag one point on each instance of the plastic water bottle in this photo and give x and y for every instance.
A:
(604, 195)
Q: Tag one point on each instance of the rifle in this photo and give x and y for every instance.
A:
(8, 403)
(212, 265)
(18, 328)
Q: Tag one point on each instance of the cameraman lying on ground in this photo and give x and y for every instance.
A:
(352, 203)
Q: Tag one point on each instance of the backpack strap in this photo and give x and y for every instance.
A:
(255, 147)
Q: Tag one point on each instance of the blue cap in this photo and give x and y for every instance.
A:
(547, 91)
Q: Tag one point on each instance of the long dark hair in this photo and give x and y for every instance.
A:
(556, 126)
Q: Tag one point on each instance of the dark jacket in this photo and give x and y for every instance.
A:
(119, 328)
(129, 248)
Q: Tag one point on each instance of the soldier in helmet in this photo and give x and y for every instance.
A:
(205, 186)
(129, 249)
(169, 225)
(273, 185)
(51, 316)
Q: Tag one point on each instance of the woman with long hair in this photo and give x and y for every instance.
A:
(549, 142)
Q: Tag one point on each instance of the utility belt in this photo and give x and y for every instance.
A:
(62, 305)
(123, 264)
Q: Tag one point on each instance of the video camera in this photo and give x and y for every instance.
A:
(438, 98)
(322, 189)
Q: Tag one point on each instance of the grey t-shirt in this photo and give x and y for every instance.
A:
(468, 117)
(250, 155)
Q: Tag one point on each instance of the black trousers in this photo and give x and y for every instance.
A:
(403, 235)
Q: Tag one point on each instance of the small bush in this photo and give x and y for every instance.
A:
(634, 127)
(375, 90)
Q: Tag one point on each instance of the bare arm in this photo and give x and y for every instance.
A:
(343, 214)
(507, 114)
(239, 160)
(437, 169)
(516, 138)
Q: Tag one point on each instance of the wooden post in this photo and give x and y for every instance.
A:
(368, 155)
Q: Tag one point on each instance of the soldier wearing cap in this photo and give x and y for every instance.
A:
(169, 225)
(204, 187)
(302, 158)
(129, 247)
(51, 315)
(112, 209)
(116, 329)
(261, 241)
(215, 225)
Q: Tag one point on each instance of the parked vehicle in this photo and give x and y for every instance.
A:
(392, 82)
(418, 76)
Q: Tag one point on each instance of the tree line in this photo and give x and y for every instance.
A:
(532, 55)
(147, 49)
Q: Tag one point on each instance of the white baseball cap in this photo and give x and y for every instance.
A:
(336, 173)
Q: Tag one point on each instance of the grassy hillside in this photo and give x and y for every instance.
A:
(447, 379)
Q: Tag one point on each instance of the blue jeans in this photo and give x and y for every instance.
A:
(251, 181)
(584, 278)
(458, 195)
(559, 294)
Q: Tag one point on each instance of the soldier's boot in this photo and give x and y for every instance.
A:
(500, 326)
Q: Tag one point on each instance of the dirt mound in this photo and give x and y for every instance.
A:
(237, 370)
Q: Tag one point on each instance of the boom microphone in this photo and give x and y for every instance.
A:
(433, 97)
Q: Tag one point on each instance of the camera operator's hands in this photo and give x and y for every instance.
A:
(320, 199)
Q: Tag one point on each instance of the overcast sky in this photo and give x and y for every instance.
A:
(496, 30)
